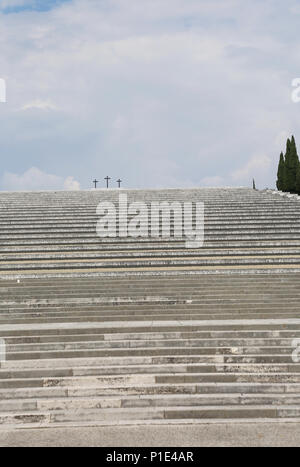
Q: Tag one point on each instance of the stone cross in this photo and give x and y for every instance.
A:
(95, 182)
(107, 178)
(119, 183)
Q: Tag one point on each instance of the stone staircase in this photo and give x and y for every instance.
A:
(125, 331)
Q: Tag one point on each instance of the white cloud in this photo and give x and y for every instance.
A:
(36, 179)
(257, 165)
(71, 184)
(39, 105)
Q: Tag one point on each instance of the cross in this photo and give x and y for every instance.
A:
(119, 183)
(95, 182)
(107, 178)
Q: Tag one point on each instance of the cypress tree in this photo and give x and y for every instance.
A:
(280, 173)
(287, 173)
(294, 162)
(297, 188)
(288, 178)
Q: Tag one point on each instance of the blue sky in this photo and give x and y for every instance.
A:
(19, 6)
(173, 93)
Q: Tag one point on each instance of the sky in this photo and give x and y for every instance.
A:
(159, 93)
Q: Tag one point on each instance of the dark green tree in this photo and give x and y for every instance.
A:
(287, 173)
(293, 164)
(288, 167)
(298, 180)
(280, 173)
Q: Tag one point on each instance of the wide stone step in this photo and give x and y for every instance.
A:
(259, 233)
(142, 314)
(69, 319)
(129, 360)
(192, 400)
(83, 256)
(149, 246)
(137, 289)
(109, 416)
(150, 336)
(293, 262)
(63, 372)
(241, 354)
(154, 326)
(221, 343)
(138, 304)
(223, 388)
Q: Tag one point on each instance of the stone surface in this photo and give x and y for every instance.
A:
(107, 336)
(215, 434)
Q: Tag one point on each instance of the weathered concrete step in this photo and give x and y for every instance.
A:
(76, 209)
(120, 283)
(85, 256)
(184, 280)
(193, 306)
(153, 280)
(162, 316)
(89, 211)
(151, 312)
(149, 336)
(248, 225)
(161, 310)
(189, 303)
(144, 246)
(138, 296)
(166, 264)
(94, 244)
(226, 270)
(138, 343)
(158, 315)
(182, 297)
(284, 389)
(147, 266)
(146, 379)
(145, 318)
(171, 325)
(97, 318)
(161, 332)
(136, 288)
(43, 419)
(192, 400)
(234, 354)
(36, 373)
(211, 230)
(93, 299)
(158, 271)
(221, 235)
(125, 361)
(82, 225)
(100, 300)
(212, 204)
(93, 296)
(89, 215)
